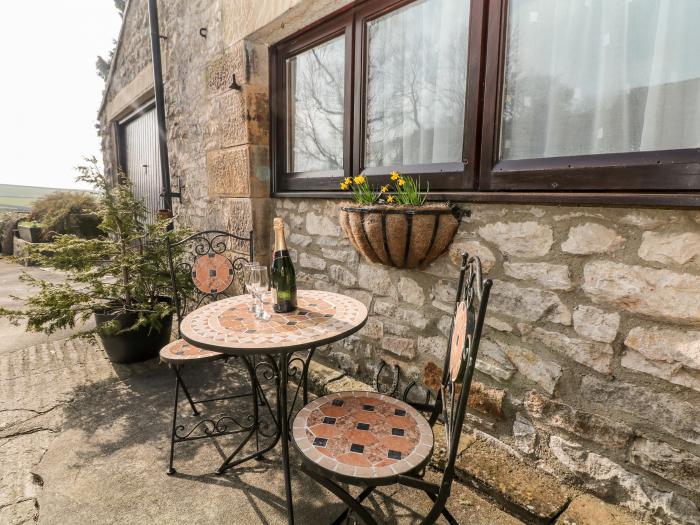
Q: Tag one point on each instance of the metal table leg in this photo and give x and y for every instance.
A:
(284, 424)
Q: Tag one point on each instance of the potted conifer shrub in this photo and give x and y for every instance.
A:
(395, 226)
(120, 278)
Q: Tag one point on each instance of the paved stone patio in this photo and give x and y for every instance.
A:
(85, 441)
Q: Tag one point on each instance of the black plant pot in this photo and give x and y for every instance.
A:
(135, 345)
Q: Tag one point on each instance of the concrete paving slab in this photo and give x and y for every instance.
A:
(84, 441)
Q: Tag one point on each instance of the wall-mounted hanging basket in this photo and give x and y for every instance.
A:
(401, 236)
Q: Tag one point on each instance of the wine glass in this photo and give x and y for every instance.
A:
(258, 284)
(247, 267)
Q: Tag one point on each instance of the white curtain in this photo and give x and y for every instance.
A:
(417, 59)
(601, 76)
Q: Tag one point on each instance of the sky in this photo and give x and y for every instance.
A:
(49, 89)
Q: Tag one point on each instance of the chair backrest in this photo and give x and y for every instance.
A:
(207, 266)
(463, 347)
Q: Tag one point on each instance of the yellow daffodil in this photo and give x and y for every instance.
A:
(384, 189)
(343, 186)
(390, 199)
(359, 179)
(395, 175)
(401, 182)
(347, 181)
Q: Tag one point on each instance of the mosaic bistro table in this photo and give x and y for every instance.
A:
(228, 326)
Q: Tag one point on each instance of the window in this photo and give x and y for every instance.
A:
(575, 84)
(416, 82)
(383, 86)
(592, 95)
(315, 111)
(487, 100)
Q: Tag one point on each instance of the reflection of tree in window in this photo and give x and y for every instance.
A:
(316, 78)
(416, 82)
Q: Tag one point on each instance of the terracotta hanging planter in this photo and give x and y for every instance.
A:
(401, 236)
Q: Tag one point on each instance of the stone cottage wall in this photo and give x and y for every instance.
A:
(590, 365)
(213, 140)
(133, 57)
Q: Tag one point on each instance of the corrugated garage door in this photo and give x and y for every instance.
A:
(142, 162)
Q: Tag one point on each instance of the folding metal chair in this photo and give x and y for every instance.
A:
(204, 267)
(370, 439)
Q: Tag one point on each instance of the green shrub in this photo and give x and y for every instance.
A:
(125, 270)
(67, 212)
(31, 224)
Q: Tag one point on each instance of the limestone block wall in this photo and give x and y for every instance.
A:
(590, 366)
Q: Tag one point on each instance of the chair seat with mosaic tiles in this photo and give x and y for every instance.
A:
(363, 435)
(180, 352)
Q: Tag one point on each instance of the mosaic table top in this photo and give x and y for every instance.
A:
(230, 327)
(363, 435)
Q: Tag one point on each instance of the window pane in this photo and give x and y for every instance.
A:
(416, 84)
(316, 83)
(601, 76)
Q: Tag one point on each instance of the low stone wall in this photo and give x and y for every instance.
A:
(590, 364)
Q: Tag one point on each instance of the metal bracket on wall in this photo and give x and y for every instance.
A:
(203, 32)
(176, 194)
(460, 213)
(234, 84)
(394, 383)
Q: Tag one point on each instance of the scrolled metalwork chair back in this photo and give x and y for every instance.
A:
(465, 334)
(207, 266)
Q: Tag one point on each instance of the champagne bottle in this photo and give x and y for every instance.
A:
(282, 279)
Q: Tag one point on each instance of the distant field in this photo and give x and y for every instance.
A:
(14, 197)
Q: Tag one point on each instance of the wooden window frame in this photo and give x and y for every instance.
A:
(283, 180)
(448, 176)
(664, 170)
(668, 178)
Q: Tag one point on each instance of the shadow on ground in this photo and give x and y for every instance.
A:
(108, 464)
